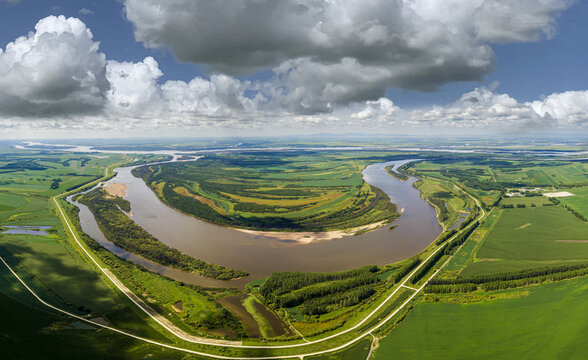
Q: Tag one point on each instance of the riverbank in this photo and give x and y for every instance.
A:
(308, 237)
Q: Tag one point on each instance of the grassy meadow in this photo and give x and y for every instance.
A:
(531, 237)
(539, 322)
(579, 201)
(450, 203)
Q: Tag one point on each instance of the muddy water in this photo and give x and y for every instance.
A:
(235, 305)
(259, 255)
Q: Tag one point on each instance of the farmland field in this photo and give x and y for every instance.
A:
(531, 237)
(540, 322)
(579, 201)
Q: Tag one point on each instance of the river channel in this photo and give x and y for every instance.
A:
(416, 228)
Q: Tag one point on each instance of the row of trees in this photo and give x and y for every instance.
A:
(506, 280)
(403, 271)
(319, 293)
(460, 239)
(428, 265)
(123, 232)
(507, 276)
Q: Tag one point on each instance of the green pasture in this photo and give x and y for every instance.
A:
(357, 351)
(548, 323)
(57, 270)
(579, 201)
(530, 237)
(524, 200)
(30, 331)
(449, 202)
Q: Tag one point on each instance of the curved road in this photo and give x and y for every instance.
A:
(204, 341)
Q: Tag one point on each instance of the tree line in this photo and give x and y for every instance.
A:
(125, 233)
(507, 280)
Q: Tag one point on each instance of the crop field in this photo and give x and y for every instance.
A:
(538, 322)
(531, 237)
(529, 201)
(520, 172)
(579, 201)
(274, 191)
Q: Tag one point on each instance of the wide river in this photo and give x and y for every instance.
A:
(259, 255)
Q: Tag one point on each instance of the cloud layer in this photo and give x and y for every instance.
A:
(327, 53)
(331, 64)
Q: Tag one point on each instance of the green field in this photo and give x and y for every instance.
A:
(359, 350)
(451, 204)
(26, 332)
(548, 323)
(58, 271)
(294, 191)
(486, 177)
(579, 201)
(527, 201)
(531, 237)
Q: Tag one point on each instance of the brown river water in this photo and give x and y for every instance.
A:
(416, 228)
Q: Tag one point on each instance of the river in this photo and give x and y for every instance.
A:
(416, 228)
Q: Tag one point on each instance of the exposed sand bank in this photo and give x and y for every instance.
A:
(558, 194)
(308, 237)
(117, 189)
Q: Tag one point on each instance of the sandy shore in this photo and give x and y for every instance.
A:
(117, 189)
(308, 237)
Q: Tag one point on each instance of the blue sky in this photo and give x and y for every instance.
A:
(525, 70)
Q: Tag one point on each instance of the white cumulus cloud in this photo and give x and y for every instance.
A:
(55, 70)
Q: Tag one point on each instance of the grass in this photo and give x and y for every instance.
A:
(29, 333)
(579, 201)
(549, 323)
(527, 201)
(528, 237)
(59, 271)
(359, 350)
(450, 203)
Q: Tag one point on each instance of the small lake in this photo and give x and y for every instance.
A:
(26, 230)
(416, 228)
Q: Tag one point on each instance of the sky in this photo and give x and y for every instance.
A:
(106, 68)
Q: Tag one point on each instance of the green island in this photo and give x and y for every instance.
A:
(512, 256)
(274, 191)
